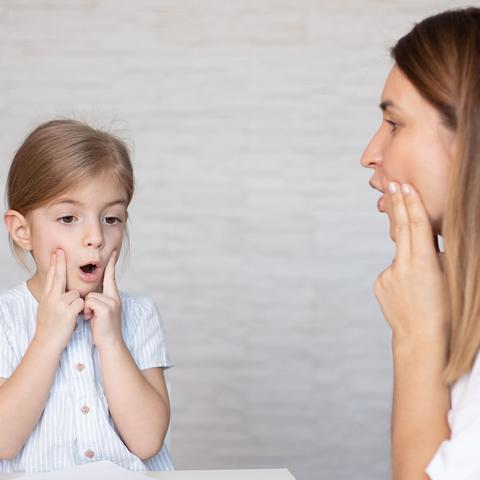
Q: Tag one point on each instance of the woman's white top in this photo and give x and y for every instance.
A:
(75, 426)
(459, 457)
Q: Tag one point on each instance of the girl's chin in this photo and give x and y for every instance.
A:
(84, 291)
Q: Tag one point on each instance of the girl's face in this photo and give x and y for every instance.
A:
(411, 146)
(87, 223)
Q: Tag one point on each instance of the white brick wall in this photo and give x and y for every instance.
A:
(253, 225)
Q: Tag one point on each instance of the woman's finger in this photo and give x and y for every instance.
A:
(435, 243)
(421, 233)
(400, 222)
(60, 279)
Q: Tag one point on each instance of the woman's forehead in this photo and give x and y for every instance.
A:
(400, 95)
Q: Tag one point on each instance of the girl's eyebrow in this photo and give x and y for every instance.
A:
(121, 201)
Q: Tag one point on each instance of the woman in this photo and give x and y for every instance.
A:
(426, 161)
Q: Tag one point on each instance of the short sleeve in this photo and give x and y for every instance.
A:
(7, 356)
(458, 458)
(149, 345)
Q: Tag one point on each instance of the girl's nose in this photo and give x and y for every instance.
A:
(94, 236)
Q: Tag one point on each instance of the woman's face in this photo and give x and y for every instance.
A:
(411, 146)
(87, 223)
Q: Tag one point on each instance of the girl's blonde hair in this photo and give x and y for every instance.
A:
(441, 57)
(57, 156)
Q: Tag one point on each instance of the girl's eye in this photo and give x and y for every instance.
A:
(112, 220)
(393, 125)
(67, 219)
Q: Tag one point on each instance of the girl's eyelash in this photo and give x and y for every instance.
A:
(117, 220)
(64, 217)
(68, 220)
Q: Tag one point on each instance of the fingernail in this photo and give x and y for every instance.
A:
(392, 187)
(406, 188)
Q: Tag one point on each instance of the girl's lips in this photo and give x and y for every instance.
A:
(90, 277)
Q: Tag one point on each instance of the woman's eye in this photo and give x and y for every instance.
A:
(112, 220)
(393, 125)
(67, 219)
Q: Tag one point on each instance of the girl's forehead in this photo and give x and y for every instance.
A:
(93, 191)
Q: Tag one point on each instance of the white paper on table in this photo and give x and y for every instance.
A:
(101, 470)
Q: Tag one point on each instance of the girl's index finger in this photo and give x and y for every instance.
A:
(50, 273)
(60, 278)
(421, 232)
(109, 282)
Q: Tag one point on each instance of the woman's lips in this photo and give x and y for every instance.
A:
(90, 277)
(380, 204)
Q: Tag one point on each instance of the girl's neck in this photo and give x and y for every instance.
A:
(35, 286)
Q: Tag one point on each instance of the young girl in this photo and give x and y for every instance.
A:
(81, 364)
(426, 161)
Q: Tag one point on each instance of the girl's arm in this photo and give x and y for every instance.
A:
(421, 401)
(23, 396)
(141, 412)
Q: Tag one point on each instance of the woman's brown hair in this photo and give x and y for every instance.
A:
(441, 57)
(58, 155)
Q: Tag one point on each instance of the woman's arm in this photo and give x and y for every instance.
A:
(413, 297)
(421, 401)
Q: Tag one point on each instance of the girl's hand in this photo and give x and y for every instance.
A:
(104, 310)
(57, 311)
(412, 292)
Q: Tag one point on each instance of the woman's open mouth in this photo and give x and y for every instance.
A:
(380, 204)
(90, 272)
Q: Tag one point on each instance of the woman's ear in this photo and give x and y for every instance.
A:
(19, 229)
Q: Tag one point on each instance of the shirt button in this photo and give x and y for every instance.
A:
(80, 367)
(89, 453)
(85, 409)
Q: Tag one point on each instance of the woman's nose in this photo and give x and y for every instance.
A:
(372, 156)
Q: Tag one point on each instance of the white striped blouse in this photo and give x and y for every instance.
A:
(75, 426)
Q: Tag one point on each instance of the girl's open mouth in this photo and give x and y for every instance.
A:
(89, 272)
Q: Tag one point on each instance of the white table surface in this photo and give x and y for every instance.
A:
(262, 474)
(108, 470)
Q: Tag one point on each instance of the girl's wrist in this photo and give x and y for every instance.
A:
(45, 347)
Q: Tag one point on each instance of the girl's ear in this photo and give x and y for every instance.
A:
(18, 228)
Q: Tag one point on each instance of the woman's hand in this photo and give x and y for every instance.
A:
(104, 310)
(57, 310)
(412, 292)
